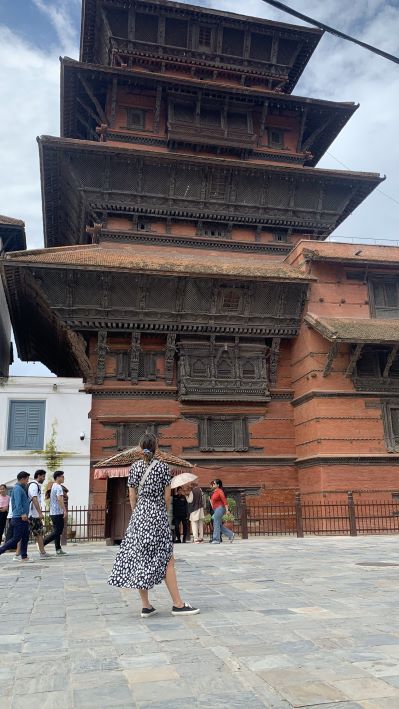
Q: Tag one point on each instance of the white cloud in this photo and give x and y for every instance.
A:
(61, 17)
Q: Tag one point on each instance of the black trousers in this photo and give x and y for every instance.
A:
(55, 535)
(3, 520)
(184, 522)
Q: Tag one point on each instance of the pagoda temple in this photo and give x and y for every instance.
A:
(185, 275)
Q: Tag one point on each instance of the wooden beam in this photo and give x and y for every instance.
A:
(135, 350)
(265, 110)
(308, 142)
(88, 110)
(114, 94)
(157, 112)
(100, 110)
(301, 129)
(355, 356)
(330, 358)
(390, 361)
(101, 353)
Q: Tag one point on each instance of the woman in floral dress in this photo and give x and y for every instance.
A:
(145, 558)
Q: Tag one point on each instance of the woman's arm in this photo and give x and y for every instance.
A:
(132, 497)
(167, 495)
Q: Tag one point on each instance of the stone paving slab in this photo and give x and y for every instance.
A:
(284, 623)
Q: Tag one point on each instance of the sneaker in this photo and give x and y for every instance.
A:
(232, 538)
(17, 557)
(185, 610)
(27, 560)
(197, 541)
(147, 612)
(61, 552)
(214, 542)
(44, 555)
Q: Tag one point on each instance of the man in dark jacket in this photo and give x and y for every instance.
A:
(19, 520)
(180, 515)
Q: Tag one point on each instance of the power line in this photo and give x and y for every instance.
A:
(331, 30)
(388, 196)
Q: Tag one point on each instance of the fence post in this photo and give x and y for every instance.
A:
(298, 515)
(244, 517)
(352, 515)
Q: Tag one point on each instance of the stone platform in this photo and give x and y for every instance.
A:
(284, 623)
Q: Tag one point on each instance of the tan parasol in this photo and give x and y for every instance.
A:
(183, 479)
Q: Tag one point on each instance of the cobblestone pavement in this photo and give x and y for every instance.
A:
(284, 622)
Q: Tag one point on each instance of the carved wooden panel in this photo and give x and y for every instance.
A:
(230, 371)
(223, 433)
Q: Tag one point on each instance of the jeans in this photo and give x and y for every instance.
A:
(20, 533)
(218, 527)
(55, 536)
(3, 520)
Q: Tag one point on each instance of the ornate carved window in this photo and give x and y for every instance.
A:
(233, 42)
(135, 118)
(225, 367)
(199, 368)
(275, 138)
(129, 434)
(373, 361)
(231, 299)
(183, 113)
(223, 433)
(248, 369)
(384, 297)
(214, 231)
(390, 418)
(237, 121)
(147, 366)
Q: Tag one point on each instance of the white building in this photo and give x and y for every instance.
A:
(29, 409)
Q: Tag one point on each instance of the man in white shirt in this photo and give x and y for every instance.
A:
(35, 510)
(58, 513)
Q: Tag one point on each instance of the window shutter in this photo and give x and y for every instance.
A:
(26, 425)
(395, 424)
(391, 296)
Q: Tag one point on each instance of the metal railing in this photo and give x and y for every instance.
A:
(325, 513)
(84, 523)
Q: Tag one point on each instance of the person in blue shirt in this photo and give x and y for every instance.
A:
(19, 520)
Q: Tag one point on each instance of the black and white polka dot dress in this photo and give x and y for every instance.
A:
(147, 546)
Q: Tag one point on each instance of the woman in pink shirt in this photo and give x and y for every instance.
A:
(4, 505)
(220, 507)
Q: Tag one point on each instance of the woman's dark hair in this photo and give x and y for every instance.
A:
(148, 444)
(218, 483)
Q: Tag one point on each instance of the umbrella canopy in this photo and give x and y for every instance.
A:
(130, 455)
(182, 479)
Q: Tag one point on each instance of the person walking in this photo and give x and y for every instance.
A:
(35, 511)
(220, 507)
(180, 515)
(19, 519)
(145, 558)
(4, 505)
(58, 513)
(196, 513)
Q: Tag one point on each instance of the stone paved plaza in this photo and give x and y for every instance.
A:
(284, 623)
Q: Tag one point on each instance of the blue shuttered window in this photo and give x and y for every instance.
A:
(26, 425)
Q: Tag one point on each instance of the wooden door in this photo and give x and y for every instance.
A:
(119, 508)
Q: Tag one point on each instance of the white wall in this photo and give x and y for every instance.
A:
(68, 408)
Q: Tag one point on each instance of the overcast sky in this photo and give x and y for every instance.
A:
(34, 33)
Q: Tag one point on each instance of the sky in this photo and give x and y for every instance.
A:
(35, 33)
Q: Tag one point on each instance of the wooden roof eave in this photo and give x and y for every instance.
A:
(65, 355)
(19, 263)
(354, 339)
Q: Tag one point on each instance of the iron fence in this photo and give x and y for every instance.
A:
(326, 513)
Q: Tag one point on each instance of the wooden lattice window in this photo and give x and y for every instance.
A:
(199, 368)
(261, 46)
(223, 434)
(217, 185)
(211, 118)
(390, 418)
(233, 42)
(183, 113)
(237, 121)
(176, 32)
(384, 297)
(146, 370)
(248, 369)
(204, 37)
(135, 119)
(146, 27)
(129, 434)
(276, 138)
